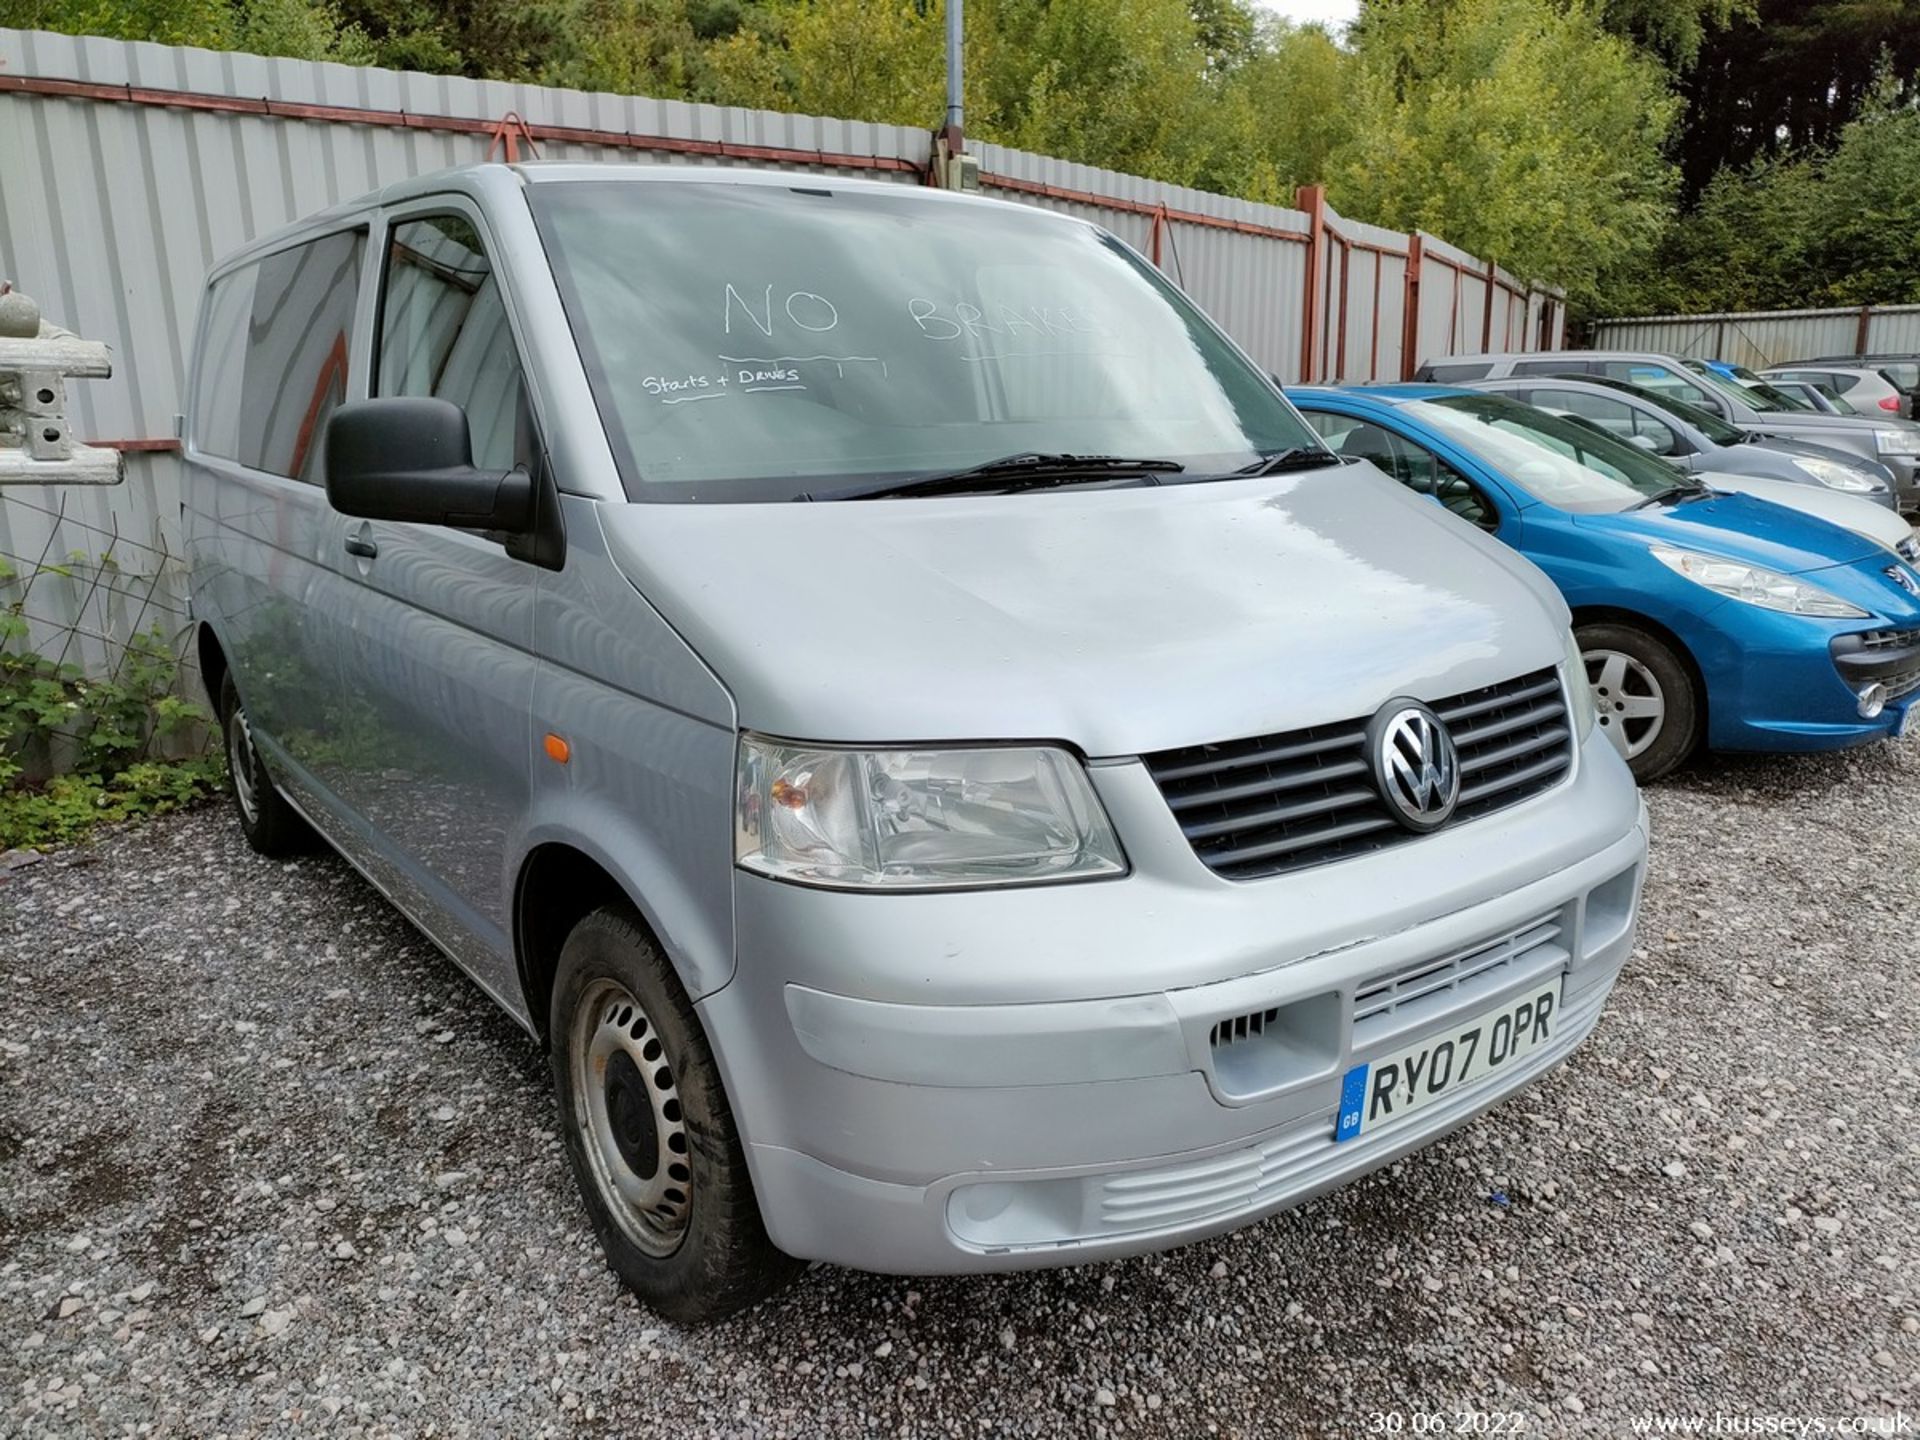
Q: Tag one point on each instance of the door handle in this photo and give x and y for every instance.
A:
(361, 546)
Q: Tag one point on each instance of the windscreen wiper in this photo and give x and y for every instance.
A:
(1674, 494)
(1029, 470)
(1301, 457)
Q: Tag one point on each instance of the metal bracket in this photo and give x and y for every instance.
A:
(36, 361)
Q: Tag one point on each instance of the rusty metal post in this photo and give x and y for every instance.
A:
(1486, 323)
(1862, 336)
(1410, 311)
(1313, 200)
(36, 360)
(1340, 323)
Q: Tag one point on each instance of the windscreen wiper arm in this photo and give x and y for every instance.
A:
(1301, 457)
(1675, 493)
(1029, 470)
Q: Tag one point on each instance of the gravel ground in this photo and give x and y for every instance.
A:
(268, 1163)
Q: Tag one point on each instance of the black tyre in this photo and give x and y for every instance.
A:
(1649, 704)
(271, 825)
(649, 1131)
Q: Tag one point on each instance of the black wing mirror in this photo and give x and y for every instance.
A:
(407, 457)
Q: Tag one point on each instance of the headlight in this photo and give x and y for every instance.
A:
(1836, 476)
(1768, 589)
(1579, 690)
(1897, 442)
(918, 819)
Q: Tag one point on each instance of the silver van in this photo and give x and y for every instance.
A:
(955, 773)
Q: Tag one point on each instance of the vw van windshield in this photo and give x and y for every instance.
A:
(755, 342)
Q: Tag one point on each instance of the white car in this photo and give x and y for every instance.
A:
(1863, 517)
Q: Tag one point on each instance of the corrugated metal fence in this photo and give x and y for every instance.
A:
(1760, 338)
(127, 169)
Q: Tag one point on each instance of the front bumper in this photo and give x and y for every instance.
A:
(1786, 683)
(935, 1092)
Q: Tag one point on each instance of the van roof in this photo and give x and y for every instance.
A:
(497, 180)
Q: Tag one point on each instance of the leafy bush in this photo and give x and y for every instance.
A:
(99, 732)
(68, 807)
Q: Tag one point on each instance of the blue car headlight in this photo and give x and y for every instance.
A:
(1755, 585)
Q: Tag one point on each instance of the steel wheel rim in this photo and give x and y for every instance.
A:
(628, 1116)
(240, 765)
(1630, 703)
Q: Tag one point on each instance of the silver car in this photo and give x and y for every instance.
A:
(1755, 408)
(1865, 388)
(953, 771)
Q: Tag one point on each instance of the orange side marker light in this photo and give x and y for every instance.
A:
(557, 749)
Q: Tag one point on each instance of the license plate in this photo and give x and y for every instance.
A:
(1431, 1069)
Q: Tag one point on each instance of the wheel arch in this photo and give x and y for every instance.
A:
(1617, 615)
(559, 883)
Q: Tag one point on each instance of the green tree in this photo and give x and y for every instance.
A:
(1291, 106)
(630, 47)
(299, 29)
(1124, 86)
(1865, 234)
(1518, 129)
(877, 61)
(1674, 29)
(1833, 227)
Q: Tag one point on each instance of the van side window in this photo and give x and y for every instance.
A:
(223, 363)
(1659, 379)
(444, 331)
(296, 354)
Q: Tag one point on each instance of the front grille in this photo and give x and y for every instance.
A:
(1889, 639)
(1271, 803)
(1900, 679)
(1426, 989)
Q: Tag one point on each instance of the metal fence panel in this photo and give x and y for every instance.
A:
(1763, 338)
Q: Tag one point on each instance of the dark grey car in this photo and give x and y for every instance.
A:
(1698, 440)
(1889, 440)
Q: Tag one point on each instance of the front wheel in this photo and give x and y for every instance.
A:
(1647, 701)
(649, 1130)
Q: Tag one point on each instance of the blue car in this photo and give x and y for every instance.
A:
(1704, 618)
(1726, 369)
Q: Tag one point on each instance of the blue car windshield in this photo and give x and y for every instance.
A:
(1560, 462)
(753, 342)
